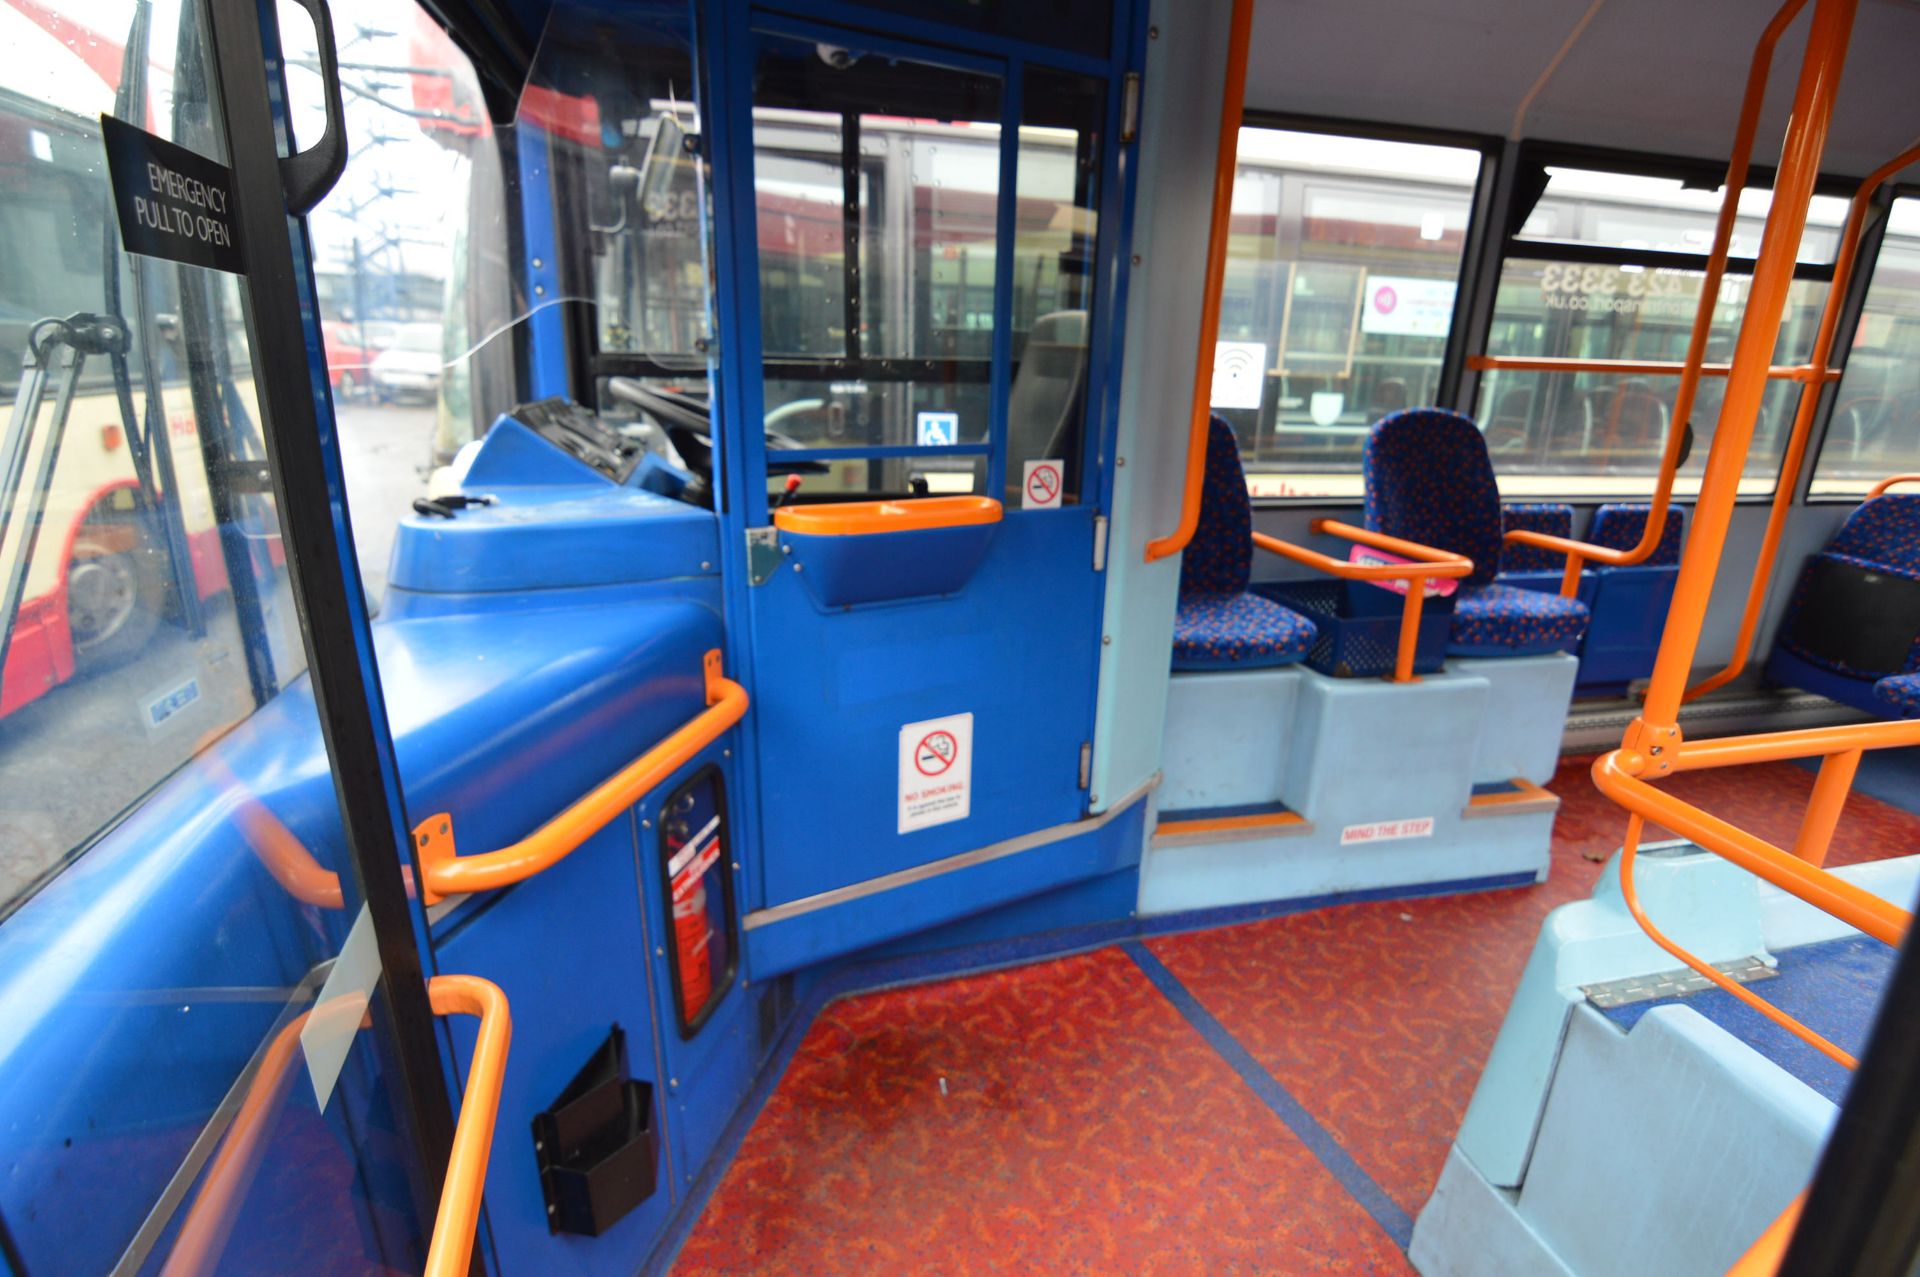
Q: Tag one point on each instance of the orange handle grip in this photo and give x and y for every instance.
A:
(445, 873)
(1432, 563)
(453, 1225)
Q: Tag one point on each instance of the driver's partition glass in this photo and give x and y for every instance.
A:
(876, 185)
(1056, 225)
(180, 1088)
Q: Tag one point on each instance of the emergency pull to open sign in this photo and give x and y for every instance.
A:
(172, 203)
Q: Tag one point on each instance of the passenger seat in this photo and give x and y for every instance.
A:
(1428, 479)
(1220, 625)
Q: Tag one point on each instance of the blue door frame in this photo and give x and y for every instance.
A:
(1019, 646)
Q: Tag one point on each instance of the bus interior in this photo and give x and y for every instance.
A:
(841, 636)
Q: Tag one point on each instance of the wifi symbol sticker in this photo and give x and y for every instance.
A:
(1239, 373)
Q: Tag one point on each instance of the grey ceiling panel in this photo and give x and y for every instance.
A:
(1651, 75)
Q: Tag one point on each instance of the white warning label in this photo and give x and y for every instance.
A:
(1387, 830)
(936, 771)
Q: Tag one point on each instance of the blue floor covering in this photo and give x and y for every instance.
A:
(1833, 988)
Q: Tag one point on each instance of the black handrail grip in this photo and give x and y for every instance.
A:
(308, 175)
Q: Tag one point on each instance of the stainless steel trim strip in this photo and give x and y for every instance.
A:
(935, 868)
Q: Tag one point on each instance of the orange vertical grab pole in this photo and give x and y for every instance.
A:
(1746, 383)
(1789, 480)
(1233, 95)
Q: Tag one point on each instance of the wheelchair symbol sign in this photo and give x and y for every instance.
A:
(937, 429)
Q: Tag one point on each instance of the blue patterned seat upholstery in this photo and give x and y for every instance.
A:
(1618, 527)
(1885, 530)
(1237, 631)
(1428, 480)
(1900, 694)
(1219, 625)
(1555, 518)
(1497, 620)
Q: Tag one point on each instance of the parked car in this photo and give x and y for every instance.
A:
(349, 362)
(409, 370)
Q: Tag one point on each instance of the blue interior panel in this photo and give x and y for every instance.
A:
(565, 997)
(834, 688)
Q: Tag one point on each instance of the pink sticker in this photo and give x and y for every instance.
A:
(1367, 556)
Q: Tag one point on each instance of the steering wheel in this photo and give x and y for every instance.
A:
(689, 424)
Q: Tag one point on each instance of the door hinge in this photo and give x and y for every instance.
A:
(1086, 763)
(1129, 107)
(763, 554)
(1099, 543)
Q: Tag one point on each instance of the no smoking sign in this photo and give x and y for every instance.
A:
(936, 772)
(1041, 486)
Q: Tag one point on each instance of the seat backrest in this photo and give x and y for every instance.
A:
(1883, 530)
(1555, 518)
(1219, 559)
(1429, 480)
(1618, 527)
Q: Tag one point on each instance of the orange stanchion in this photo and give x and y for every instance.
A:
(209, 1221)
(1431, 564)
(1789, 478)
(1691, 368)
(451, 1251)
(203, 1234)
(1746, 384)
(443, 872)
(1824, 807)
(1233, 96)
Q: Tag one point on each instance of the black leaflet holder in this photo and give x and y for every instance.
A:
(596, 1146)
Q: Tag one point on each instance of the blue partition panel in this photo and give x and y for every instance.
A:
(833, 690)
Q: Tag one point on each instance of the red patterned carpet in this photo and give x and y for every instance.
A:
(1065, 1118)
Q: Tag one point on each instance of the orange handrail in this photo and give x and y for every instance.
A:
(209, 1221)
(1233, 94)
(1432, 564)
(1852, 905)
(443, 872)
(1789, 478)
(451, 1250)
(900, 514)
(1632, 367)
(1762, 1259)
(203, 1233)
(1692, 366)
(1880, 489)
(1652, 746)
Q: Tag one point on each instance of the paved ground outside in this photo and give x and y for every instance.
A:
(73, 760)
